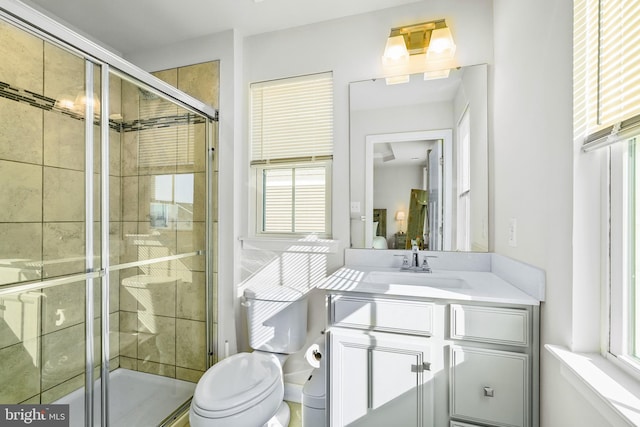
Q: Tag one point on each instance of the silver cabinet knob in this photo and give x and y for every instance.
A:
(488, 391)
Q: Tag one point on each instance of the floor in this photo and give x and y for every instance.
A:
(296, 417)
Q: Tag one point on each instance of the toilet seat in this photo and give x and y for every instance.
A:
(236, 384)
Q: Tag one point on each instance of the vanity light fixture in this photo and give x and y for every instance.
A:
(426, 48)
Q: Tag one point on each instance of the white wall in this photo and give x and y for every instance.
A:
(533, 181)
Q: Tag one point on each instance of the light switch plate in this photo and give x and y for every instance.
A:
(512, 239)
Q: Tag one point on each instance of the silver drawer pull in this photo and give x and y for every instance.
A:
(488, 391)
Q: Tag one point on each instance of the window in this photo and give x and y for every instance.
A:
(607, 117)
(291, 154)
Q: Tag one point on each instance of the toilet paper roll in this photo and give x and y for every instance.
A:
(315, 353)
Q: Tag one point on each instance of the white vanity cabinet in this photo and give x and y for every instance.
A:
(421, 362)
(386, 362)
(493, 363)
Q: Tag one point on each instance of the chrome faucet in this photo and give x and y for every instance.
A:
(414, 254)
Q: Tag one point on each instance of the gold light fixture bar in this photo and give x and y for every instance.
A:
(418, 36)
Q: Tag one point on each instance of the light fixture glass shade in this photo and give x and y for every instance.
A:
(394, 80)
(437, 74)
(441, 45)
(395, 52)
(400, 216)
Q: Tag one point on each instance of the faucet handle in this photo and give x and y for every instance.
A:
(405, 262)
(425, 264)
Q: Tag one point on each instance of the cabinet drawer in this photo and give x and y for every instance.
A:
(410, 317)
(508, 326)
(459, 424)
(489, 386)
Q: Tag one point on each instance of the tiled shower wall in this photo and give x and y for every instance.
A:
(42, 220)
(156, 311)
(168, 339)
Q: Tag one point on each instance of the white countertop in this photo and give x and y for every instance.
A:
(484, 286)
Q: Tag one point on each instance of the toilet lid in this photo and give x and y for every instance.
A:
(236, 383)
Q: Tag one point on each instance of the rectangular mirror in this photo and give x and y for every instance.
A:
(428, 138)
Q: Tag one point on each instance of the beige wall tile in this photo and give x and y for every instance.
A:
(63, 389)
(200, 153)
(64, 75)
(201, 81)
(194, 240)
(64, 145)
(155, 294)
(115, 147)
(155, 159)
(199, 196)
(114, 336)
(157, 338)
(63, 248)
(191, 344)
(20, 252)
(129, 193)
(129, 150)
(21, 131)
(190, 375)
(21, 321)
(128, 363)
(63, 306)
(155, 242)
(156, 368)
(20, 192)
(115, 95)
(115, 231)
(168, 76)
(35, 400)
(63, 198)
(130, 101)
(21, 55)
(128, 243)
(191, 298)
(128, 338)
(115, 191)
(62, 355)
(19, 374)
(114, 364)
(114, 291)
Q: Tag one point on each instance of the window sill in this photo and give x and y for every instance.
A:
(609, 388)
(304, 244)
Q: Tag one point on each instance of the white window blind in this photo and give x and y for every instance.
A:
(292, 119)
(607, 69)
(291, 152)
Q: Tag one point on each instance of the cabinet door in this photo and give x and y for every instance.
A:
(380, 380)
(490, 386)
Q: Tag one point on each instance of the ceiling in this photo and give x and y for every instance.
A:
(130, 26)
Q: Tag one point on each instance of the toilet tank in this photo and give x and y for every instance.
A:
(276, 318)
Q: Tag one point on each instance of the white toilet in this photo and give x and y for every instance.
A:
(246, 389)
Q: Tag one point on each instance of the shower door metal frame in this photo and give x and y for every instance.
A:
(34, 22)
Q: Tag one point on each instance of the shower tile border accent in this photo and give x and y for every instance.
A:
(46, 103)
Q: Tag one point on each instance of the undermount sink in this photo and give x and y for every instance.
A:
(433, 280)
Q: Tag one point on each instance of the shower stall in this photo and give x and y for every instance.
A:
(107, 230)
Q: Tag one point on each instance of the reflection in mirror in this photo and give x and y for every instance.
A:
(425, 135)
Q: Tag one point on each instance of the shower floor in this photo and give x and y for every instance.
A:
(135, 399)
